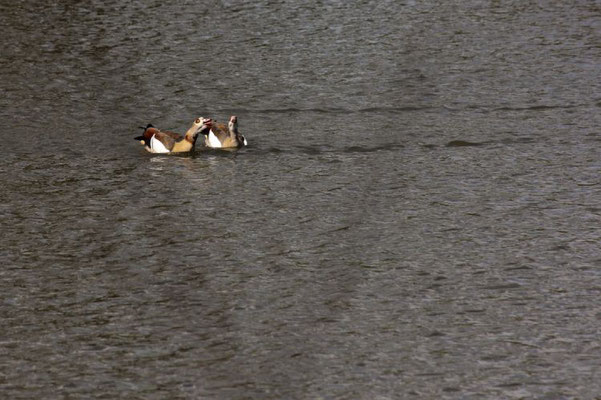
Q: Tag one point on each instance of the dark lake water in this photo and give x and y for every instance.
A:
(417, 214)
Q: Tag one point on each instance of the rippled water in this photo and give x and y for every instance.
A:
(417, 214)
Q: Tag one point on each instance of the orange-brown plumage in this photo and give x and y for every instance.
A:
(225, 136)
(157, 141)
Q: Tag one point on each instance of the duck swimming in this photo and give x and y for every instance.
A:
(222, 137)
(157, 141)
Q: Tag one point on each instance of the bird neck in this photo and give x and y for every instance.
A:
(191, 134)
(233, 131)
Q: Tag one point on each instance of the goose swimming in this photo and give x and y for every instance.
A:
(157, 141)
(222, 137)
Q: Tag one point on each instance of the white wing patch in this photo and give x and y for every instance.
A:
(157, 146)
(213, 141)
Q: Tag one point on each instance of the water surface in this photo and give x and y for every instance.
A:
(417, 214)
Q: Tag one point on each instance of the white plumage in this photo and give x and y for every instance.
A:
(156, 146)
(213, 141)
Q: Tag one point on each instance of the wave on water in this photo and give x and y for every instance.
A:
(405, 109)
(329, 110)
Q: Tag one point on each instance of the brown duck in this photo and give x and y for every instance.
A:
(223, 137)
(157, 141)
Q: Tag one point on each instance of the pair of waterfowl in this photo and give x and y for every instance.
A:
(217, 136)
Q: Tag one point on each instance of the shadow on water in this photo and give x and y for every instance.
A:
(507, 141)
(464, 143)
(459, 143)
